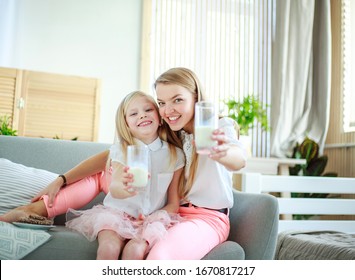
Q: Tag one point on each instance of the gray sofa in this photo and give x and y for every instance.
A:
(254, 217)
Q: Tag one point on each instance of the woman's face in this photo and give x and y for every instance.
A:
(143, 119)
(176, 106)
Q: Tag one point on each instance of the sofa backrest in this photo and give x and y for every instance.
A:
(51, 154)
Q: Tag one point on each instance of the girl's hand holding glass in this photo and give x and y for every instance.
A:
(121, 183)
(128, 179)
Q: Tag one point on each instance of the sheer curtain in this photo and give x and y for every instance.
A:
(226, 42)
(301, 74)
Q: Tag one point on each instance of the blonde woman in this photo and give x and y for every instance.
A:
(207, 195)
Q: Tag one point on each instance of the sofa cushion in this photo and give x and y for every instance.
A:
(19, 183)
(16, 243)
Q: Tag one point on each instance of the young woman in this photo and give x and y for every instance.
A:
(207, 195)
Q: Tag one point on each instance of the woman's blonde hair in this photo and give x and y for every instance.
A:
(186, 78)
(123, 133)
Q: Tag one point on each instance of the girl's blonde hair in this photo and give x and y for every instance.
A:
(186, 78)
(123, 133)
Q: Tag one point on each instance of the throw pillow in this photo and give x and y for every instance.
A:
(19, 183)
(15, 242)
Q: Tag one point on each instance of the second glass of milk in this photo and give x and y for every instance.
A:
(206, 118)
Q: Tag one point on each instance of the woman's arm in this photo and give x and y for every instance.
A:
(226, 153)
(88, 167)
(173, 202)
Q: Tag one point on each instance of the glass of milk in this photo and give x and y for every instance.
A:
(138, 162)
(206, 118)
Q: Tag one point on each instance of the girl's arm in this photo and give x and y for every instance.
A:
(228, 154)
(173, 202)
(88, 167)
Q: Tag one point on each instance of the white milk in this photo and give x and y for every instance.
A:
(203, 139)
(140, 177)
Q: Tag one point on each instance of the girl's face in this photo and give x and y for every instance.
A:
(143, 119)
(176, 106)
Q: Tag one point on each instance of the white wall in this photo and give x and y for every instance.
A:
(90, 38)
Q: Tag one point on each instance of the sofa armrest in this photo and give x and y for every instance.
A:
(254, 224)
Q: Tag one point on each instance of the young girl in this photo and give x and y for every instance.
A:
(207, 195)
(124, 215)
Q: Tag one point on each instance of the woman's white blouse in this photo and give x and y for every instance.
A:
(213, 183)
(155, 196)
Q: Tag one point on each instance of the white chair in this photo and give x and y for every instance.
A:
(260, 183)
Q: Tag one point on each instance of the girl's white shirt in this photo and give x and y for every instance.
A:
(213, 183)
(161, 171)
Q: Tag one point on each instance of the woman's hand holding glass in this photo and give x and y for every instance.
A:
(226, 152)
(219, 151)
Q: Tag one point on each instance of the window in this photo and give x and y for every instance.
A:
(227, 43)
(348, 44)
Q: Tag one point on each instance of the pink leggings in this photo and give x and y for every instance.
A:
(78, 194)
(194, 238)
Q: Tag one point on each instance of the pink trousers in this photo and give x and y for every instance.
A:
(191, 239)
(78, 194)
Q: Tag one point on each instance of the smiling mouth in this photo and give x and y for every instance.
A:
(145, 123)
(173, 119)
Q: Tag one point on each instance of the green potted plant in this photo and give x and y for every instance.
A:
(247, 113)
(58, 138)
(314, 166)
(5, 127)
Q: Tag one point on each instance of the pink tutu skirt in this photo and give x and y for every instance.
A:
(152, 228)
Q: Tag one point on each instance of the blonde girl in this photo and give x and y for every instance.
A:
(128, 222)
